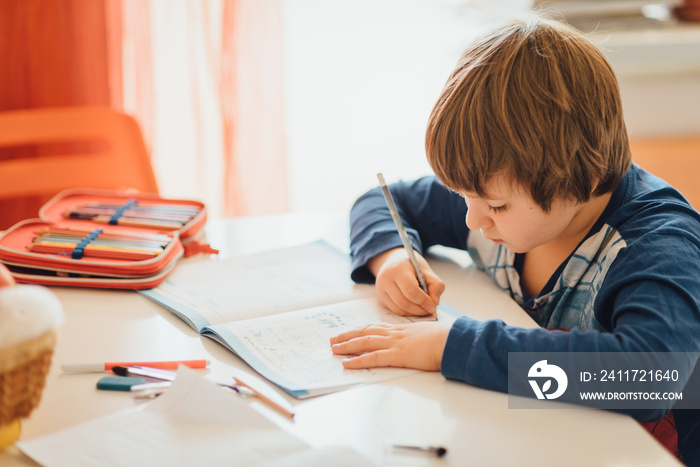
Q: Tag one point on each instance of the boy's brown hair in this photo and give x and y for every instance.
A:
(534, 101)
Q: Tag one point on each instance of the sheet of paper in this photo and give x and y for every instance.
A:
(219, 291)
(194, 423)
(292, 349)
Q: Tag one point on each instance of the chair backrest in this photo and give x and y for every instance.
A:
(676, 160)
(46, 150)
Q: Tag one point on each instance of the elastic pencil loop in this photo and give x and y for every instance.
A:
(119, 212)
(80, 248)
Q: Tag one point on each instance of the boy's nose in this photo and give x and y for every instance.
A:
(477, 220)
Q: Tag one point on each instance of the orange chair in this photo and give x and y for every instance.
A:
(676, 160)
(46, 150)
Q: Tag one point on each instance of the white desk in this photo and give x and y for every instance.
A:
(474, 424)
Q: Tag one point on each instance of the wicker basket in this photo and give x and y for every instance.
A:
(23, 369)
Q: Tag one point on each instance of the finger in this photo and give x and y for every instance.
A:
(361, 345)
(378, 329)
(403, 305)
(414, 300)
(389, 295)
(436, 291)
(380, 358)
(386, 301)
(436, 286)
(399, 290)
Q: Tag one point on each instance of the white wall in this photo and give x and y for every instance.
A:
(362, 76)
(659, 74)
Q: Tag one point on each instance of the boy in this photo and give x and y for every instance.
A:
(529, 143)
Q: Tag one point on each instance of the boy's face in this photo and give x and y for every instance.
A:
(508, 215)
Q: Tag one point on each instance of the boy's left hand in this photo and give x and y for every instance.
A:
(415, 345)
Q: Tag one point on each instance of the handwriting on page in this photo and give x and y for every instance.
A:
(295, 345)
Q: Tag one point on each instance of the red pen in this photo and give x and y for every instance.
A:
(101, 367)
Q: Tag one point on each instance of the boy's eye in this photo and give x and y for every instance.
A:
(499, 209)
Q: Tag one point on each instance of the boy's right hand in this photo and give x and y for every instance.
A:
(398, 288)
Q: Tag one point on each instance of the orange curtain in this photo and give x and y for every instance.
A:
(57, 53)
(203, 78)
(61, 52)
(215, 105)
(256, 147)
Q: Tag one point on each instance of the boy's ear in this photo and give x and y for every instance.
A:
(594, 185)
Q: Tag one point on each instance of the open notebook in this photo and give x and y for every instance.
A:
(277, 310)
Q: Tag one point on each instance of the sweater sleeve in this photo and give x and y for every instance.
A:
(432, 215)
(648, 303)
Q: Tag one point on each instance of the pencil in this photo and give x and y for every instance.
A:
(136, 215)
(107, 366)
(128, 221)
(151, 246)
(274, 405)
(402, 233)
(95, 251)
(160, 239)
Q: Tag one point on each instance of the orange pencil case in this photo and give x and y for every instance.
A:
(74, 243)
